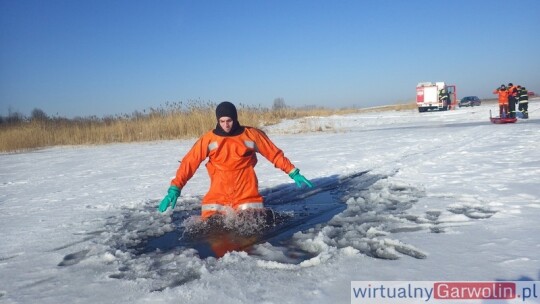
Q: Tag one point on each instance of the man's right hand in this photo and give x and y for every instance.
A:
(170, 199)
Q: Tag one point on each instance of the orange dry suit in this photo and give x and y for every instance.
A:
(233, 183)
(503, 96)
(503, 101)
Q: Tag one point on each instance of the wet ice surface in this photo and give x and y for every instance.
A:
(291, 211)
(430, 196)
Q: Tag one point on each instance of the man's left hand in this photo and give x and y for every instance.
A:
(299, 179)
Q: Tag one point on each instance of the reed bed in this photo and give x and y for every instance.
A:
(172, 121)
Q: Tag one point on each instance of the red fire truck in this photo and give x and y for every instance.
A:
(427, 96)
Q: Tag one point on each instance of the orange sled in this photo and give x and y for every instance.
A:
(502, 120)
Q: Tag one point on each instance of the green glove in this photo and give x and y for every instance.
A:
(299, 178)
(170, 199)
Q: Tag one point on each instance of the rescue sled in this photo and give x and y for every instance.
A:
(501, 120)
(498, 120)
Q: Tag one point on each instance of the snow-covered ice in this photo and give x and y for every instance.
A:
(445, 196)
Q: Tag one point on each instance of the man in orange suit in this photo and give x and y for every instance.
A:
(231, 149)
(503, 100)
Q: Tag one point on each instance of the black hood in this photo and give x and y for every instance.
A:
(227, 109)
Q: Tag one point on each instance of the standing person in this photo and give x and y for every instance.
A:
(512, 99)
(230, 148)
(503, 100)
(444, 98)
(523, 97)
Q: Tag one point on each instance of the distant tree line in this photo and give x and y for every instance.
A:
(38, 115)
(12, 118)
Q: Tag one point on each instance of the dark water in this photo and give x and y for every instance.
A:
(288, 210)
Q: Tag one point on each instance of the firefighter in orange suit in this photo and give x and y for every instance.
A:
(503, 100)
(231, 150)
(512, 99)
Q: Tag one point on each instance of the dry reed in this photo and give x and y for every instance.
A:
(174, 121)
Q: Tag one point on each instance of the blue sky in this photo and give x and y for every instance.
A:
(105, 57)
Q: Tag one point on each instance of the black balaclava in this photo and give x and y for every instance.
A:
(227, 109)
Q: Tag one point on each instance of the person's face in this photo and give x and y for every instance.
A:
(226, 123)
